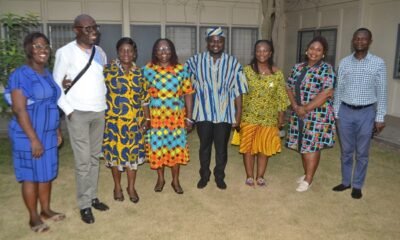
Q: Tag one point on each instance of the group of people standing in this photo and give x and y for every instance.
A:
(130, 115)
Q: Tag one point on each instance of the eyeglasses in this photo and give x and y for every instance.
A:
(164, 49)
(88, 29)
(41, 47)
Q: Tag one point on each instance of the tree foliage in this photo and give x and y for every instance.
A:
(12, 54)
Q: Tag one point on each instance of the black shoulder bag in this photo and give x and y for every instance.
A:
(82, 71)
(78, 77)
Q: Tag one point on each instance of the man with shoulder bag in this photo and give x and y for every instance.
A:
(83, 102)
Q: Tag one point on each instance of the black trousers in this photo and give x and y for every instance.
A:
(217, 133)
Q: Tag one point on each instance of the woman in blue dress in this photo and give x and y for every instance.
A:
(33, 130)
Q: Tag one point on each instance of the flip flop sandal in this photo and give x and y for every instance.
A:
(250, 182)
(40, 228)
(261, 182)
(55, 218)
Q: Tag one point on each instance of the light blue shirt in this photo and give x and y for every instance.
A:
(362, 82)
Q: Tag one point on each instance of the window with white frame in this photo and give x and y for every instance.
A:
(243, 40)
(203, 36)
(109, 36)
(184, 39)
(305, 36)
(396, 73)
(59, 34)
(145, 36)
(62, 33)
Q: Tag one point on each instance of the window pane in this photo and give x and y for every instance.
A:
(184, 39)
(330, 36)
(60, 34)
(397, 59)
(109, 36)
(304, 38)
(203, 35)
(145, 36)
(243, 40)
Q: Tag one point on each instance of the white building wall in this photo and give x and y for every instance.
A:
(194, 12)
(383, 18)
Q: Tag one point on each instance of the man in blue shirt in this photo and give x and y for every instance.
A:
(219, 83)
(360, 107)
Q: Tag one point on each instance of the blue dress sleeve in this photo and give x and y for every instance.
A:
(19, 80)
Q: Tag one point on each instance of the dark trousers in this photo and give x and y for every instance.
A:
(355, 129)
(218, 133)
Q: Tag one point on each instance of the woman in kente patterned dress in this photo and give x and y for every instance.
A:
(126, 116)
(170, 106)
(311, 122)
(263, 112)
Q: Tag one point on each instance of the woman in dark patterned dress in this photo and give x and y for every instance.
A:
(126, 116)
(311, 122)
(34, 131)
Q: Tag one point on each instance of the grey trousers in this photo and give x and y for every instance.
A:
(86, 135)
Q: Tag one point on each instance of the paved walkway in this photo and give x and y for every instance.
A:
(390, 135)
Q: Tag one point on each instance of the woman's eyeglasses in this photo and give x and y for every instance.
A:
(89, 29)
(41, 47)
(164, 49)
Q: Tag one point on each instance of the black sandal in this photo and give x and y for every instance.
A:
(119, 197)
(159, 187)
(134, 198)
(178, 189)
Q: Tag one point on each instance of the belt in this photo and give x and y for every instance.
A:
(357, 107)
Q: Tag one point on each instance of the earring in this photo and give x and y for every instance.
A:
(323, 56)
(306, 53)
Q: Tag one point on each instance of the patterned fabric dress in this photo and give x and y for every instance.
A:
(319, 125)
(42, 94)
(166, 140)
(265, 99)
(123, 143)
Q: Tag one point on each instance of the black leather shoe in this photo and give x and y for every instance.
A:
(202, 183)
(87, 215)
(221, 184)
(356, 193)
(96, 204)
(340, 188)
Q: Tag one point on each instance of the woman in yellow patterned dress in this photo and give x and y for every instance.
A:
(126, 116)
(263, 112)
(171, 113)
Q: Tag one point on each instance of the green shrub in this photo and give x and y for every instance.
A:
(11, 50)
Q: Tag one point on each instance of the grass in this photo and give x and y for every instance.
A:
(240, 212)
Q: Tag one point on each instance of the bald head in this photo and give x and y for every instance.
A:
(81, 18)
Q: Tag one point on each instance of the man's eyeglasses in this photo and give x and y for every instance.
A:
(41, 47)
(88, 29)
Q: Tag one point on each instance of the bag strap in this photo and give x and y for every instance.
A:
(82, 71)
